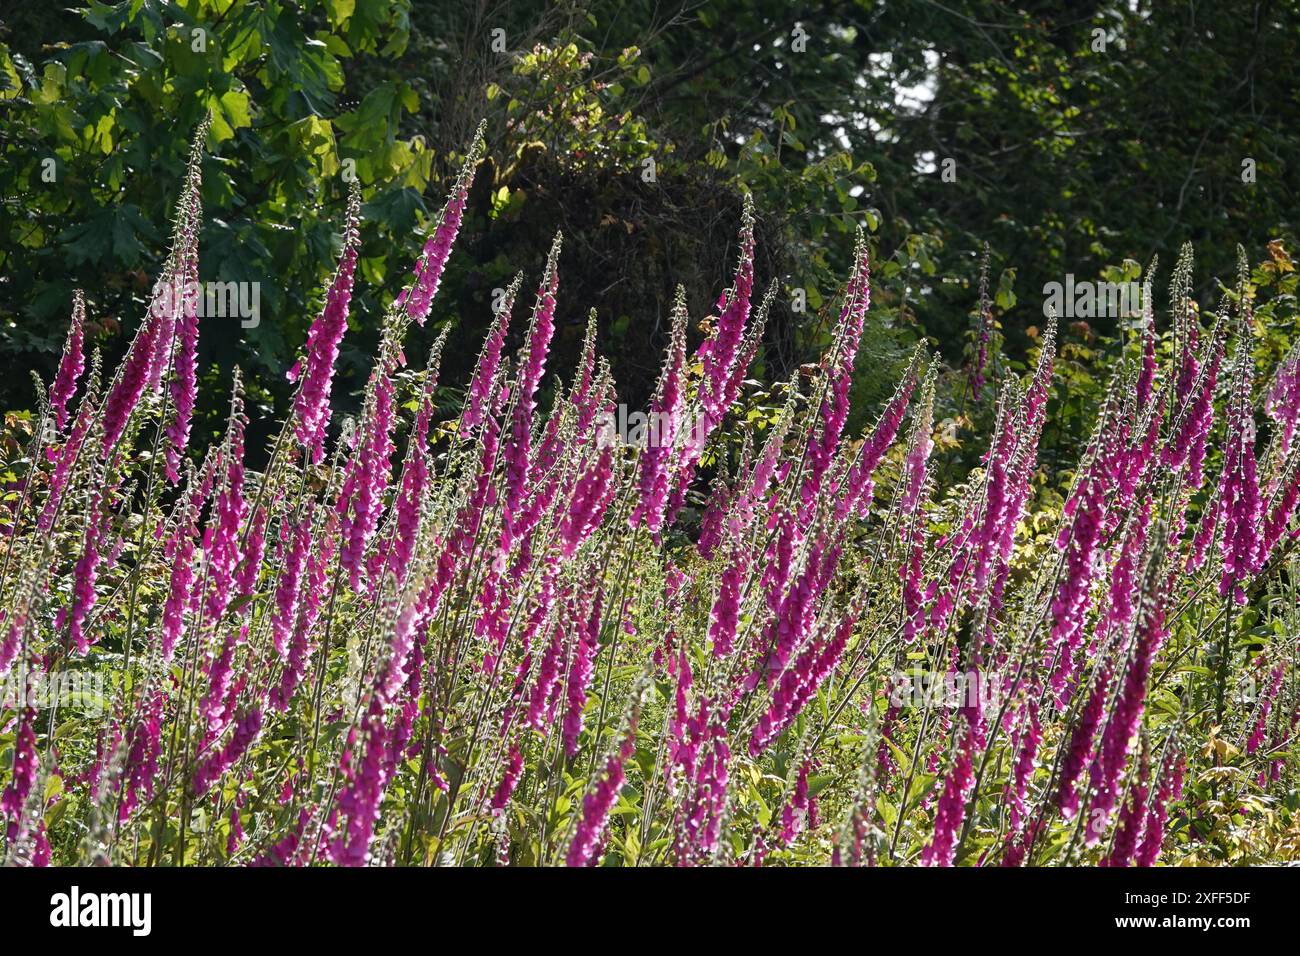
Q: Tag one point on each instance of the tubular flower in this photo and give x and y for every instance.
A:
(223, 758)
(1117, 739)
(1256, 739)
(25, 766)
(532, 365)
(360, 500)
(309, 608)
(65, 458)
(718, 353)
(725, 613)
(180, 592)
(1239, 491)
(399, 547)
(509, 780)
(1169, 791)
(314, 372)
(1081, 751)
(184, 381)
(84, 575)
(589, 837)
(951, 812)
(591, 498)
(581, 668)
(433, 258)
(798, 813)
(665, 417)
(1282, 403)
(837, 366)
(295, 539)
(489, 361)
(1026, 747)
(858, 486)
(1195, 414)
(72, 364)
(144, 745)
(798, 684)
(1132, 820)
(365, 775)
(221, 537)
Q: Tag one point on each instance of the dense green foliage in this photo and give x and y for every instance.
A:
(1069, 158)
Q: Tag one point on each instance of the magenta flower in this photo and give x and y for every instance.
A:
(589, 837)
(837, 365)
(211, 768)
(360, 500)
(1239, 496)
(184, 381)
(591, 498)
(1117, 739)
(951, 811)
(433, 258)
(489, 361)
(72, 364)
(221, 544)
(509, 780)
(314, 371)
(725, 613)
(26, 764)
(581, 668)
(717, 354)
(665, 415)
(1026, 748)
(1169, 791)
(1282, 403)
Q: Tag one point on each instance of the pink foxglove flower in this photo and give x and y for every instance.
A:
(433, 258)
(210, 769)
(591, 498)
(184, 375)
(314, 372)
(1169, 790)
(589, 837)
(221, 544)
(509, 780)
(725, 614)
(581, 668)
(360, 500)
(517, 451)
(1239, 495)
(837, 366)
(26, 763)
(485, 374)
(72, 364)
(665, 416)
(1121, 729)
(1282, 403)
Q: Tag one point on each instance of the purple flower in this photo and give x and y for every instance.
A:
(1239, 496)
(72, 364)
(581, 668)
(1282, 404)
(665, 415)
(184, 381)
(433, 258)
(221, 543)
(311, 403)
(596, 805)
